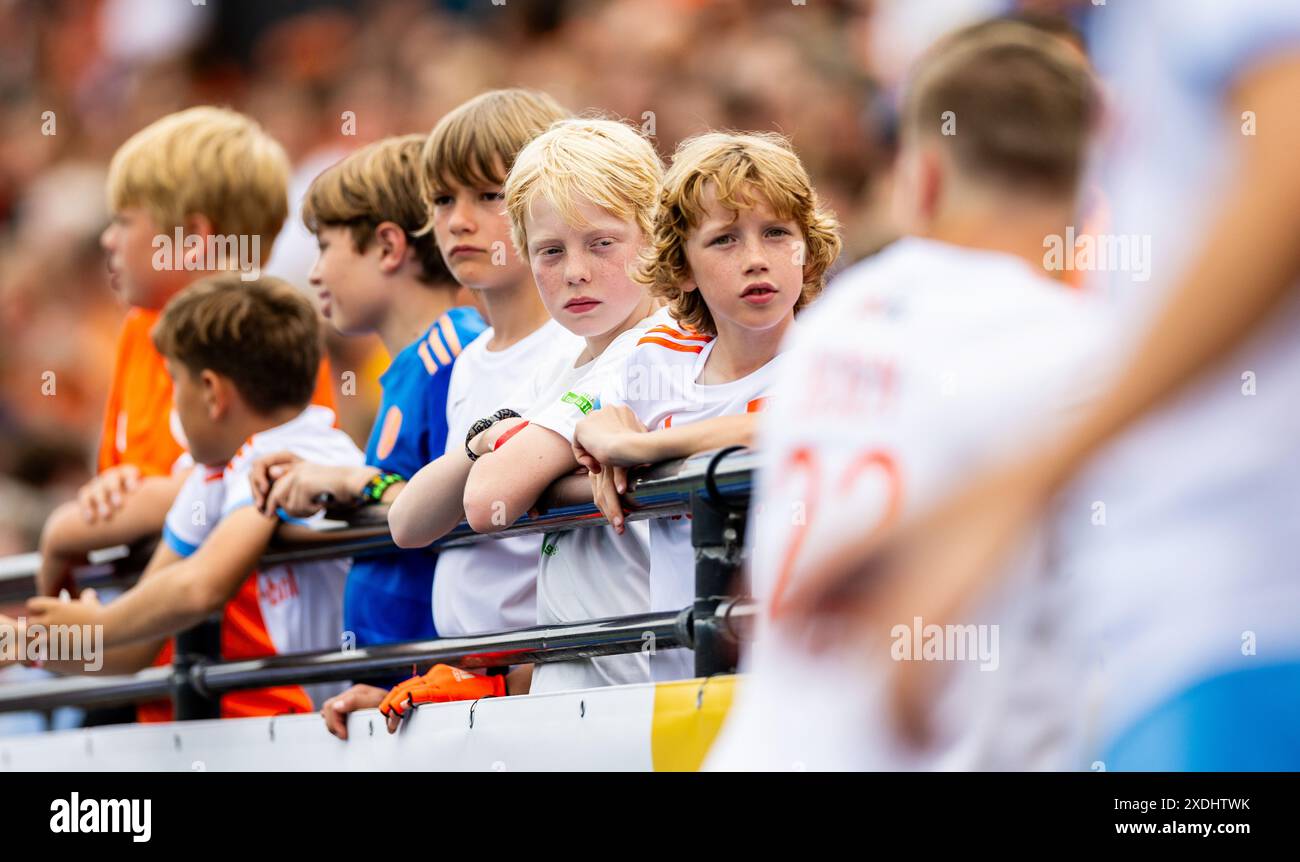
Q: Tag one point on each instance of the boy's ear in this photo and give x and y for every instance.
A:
(199, 225)
(688, 284)
(930, 181)
(217, 393)
(392, 246)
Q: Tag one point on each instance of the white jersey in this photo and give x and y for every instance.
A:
(658, 383)
(919, 368)
(1194, 571)
(301, 606)
(492, 586)
(593, 572)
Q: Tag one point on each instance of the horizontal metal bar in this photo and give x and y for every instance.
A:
(538, 644)
(659, 491)
(149, 684)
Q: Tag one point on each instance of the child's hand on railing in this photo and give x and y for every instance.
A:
(607, 486)
(101, 497)
(611, 435)
(443, 683)
(337, 709)
(11, 632)
(264, 472)
(606, 443)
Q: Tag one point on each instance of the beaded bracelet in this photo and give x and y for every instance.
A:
(484, 424)
(374, 490)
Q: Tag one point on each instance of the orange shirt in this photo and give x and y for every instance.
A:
(137, 419)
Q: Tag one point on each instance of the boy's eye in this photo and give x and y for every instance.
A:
(603, 242)
(442, 200)
(492, 196)
(549, 251)
(778, 231)
(721, 240)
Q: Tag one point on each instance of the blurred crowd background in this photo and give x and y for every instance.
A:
(77, 77)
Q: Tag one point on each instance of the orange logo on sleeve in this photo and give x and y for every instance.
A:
(388, 434)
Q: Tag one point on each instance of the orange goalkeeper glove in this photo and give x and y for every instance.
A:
(441, 684)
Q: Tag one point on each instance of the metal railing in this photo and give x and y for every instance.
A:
(712, 489)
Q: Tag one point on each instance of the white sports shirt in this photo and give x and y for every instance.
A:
(301, 605)
(492, 586)
(593, 572)
(920, 367)
(658, 383)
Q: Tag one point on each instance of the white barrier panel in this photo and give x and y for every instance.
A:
(668, 726)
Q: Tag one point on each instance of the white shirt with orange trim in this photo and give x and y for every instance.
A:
(593, 572)
(301, 606)
(659, 384)
(492, 586)
(920, 367)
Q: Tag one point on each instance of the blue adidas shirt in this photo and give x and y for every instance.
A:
(389, 598)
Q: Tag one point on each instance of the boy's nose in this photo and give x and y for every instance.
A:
(755, 260)
(461, 221)
(576, 271)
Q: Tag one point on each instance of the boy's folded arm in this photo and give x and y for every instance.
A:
(503, 485)
(142, 514)
(429, 506)
(182, 593)
(681, 441)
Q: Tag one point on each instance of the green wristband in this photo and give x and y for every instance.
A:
(374, 490)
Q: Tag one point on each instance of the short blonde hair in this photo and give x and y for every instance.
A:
(378, 183)
(741, 168)
(602, 161)
(476, 143)
(208, 161)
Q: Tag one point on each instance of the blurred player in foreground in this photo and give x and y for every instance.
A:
(941, 354)
(1188, 591)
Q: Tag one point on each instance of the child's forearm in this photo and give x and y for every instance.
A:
(684, 440)
(430, 505)
(67, 537)
(1251, 246)
(504, 485)
(118, 660)
(157, 607)
(67, 534)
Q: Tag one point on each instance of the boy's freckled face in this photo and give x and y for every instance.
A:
(347, 282)
(747, 265)
(473, 232)
(129, 243)
(583, 271)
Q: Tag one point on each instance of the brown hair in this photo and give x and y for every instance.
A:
(209, 161)
(476, 143)
(1022, 102)
(378, 183)
(263, 334)
(741, 168)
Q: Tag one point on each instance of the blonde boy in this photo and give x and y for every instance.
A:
(213, 178)
(581, 200)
